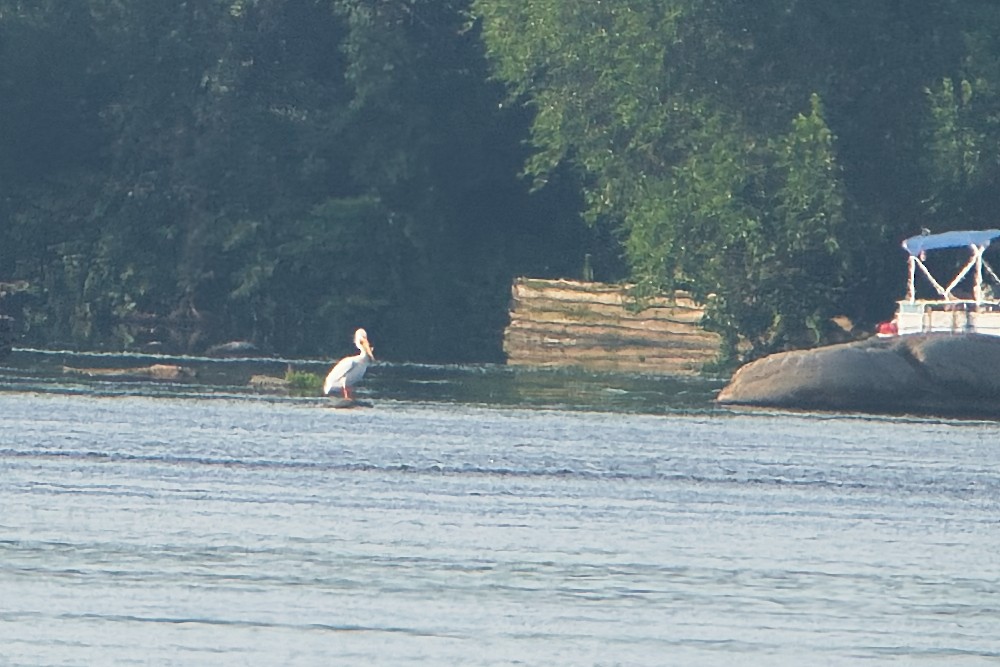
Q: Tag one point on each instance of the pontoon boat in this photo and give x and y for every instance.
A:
(975, 311)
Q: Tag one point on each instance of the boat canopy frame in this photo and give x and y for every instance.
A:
(976, 241)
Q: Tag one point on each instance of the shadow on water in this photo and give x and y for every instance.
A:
(496, 385)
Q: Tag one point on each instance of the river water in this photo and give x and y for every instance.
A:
(481, 516)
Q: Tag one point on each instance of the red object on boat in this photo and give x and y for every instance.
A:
(887, 329)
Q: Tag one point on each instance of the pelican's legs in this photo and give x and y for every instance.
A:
(347, 393)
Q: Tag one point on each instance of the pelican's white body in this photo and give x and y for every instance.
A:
(348, 371)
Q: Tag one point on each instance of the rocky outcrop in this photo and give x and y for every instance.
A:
(944, 374)
(154, 372)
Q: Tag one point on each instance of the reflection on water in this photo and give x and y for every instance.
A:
(474, 384)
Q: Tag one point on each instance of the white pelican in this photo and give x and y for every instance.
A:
(349, 370)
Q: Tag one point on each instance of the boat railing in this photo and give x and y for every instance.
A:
(948, 316)
(948, 305)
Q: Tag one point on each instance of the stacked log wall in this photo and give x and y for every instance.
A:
(567, 323)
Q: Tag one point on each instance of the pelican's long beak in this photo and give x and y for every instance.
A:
(368, 348)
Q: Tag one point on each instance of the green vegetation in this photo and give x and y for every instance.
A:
(771, 153)
(175, 174)
(303, 383)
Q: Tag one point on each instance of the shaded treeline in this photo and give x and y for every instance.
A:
(181, 173)
(185, 173)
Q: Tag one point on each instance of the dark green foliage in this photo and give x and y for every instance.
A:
(174, 173)
(183, 173)
(767, 156)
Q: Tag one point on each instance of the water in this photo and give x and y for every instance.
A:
(483, 517)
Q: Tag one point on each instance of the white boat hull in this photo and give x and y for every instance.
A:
(927, 316)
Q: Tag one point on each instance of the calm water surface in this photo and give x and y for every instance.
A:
(482, 517)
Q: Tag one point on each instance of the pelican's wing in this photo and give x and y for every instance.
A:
(357, 370)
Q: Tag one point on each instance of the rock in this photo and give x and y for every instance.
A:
(947, 374)
(346, 403)
(156, 372)
(236, 348)
(169, 372)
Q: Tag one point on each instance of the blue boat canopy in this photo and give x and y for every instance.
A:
(958, 239)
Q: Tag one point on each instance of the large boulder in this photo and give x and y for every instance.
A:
(949, 374)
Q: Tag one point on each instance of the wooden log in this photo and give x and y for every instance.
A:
(585, 353)
(519, 342)
(595, 293)
(660, 333)
(633, 360)
(635, 363)
(664, 366)
(653, 326)
(577, 310)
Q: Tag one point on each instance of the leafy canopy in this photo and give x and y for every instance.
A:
(711, 194)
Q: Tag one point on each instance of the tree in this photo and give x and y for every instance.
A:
(436, 147)
(962, 131)
(218, 125)
(280, 170)
(705, 130)
(648, 98)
